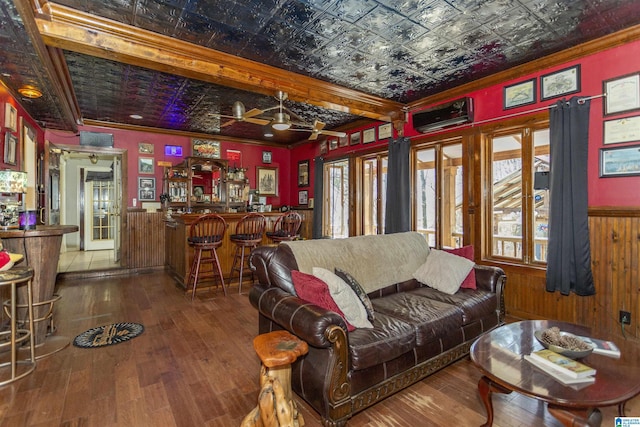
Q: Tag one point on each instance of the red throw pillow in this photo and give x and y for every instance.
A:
(466, 252)
(311, 289)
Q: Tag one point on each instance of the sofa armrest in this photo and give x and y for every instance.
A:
(492, 279)
(303, 319)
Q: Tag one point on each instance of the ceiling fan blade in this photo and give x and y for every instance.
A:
(253, 112)
(313, 136)
(229, 123)
(318, 125)
(257, 121)
(331, 133)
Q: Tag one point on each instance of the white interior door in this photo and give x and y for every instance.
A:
(99, 219)
(116, 211)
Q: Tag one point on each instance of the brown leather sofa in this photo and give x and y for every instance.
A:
(417, 330)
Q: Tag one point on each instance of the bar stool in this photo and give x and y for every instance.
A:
(19, 368)
(206, 234)
(286, 227)
(248, 236)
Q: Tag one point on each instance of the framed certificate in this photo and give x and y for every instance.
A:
(622, 94)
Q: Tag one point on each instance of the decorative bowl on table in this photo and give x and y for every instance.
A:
(563, 343)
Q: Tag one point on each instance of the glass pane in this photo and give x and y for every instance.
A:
(452, 196)
(507, 196)
(541, 195)
(336, 200)
(383, 193)
(370, 196)
(425, 185)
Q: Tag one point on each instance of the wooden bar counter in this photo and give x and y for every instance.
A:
(41, 250)
(179, 255)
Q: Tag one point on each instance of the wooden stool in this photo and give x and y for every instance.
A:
(286, 228)
(277, 350)
(206, 234)
(248, 236)
(19, 368)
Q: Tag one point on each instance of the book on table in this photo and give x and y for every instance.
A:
(606, 348)
(559, 375)
(571, 368)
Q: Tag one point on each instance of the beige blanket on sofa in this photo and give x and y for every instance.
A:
(374, 261)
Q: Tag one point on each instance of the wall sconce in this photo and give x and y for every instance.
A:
(93, 158)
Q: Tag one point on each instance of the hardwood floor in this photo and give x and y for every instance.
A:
(195, 366)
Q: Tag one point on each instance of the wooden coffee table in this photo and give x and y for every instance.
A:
(499, 356)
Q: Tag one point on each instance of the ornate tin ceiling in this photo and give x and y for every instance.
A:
(400, 50)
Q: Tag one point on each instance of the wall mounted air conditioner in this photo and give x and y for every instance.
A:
(444, 115)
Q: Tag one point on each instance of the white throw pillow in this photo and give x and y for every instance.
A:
(443, 271)
(344, 297)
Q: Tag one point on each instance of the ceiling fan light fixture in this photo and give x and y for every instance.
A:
(281, 121)
(238, 110)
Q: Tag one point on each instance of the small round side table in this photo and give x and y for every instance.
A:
(277, 350)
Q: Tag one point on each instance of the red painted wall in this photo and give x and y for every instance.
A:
(128, 140)
(488, 103)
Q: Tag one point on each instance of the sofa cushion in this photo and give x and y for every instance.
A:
(344, 297)
(311, 289)
(443, 271)
(469, 282)
(390, 338)
(367, 258)
(475, 304)
(430, 318)
(359, 291)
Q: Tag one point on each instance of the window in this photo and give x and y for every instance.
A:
(374, 193)
(335, 209)
(519, 202)
(439, 193)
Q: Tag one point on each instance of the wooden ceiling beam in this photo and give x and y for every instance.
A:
(69, 29)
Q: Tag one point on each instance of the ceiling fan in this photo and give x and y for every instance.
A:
(280, 121)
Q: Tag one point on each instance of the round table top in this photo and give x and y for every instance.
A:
(39, 231)
(499, 356)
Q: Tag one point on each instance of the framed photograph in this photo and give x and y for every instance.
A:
(333, 143)
(267, 181)
(620, 161)
(148, 183)
(145, 148)
(145, 165)
(385, 131)
(622, 94)
(10, 117)
(205, 148)
(303, 197)
(519, 94)
(303, 173)
(343, 141)
(621, 130)
(10, 148)
(323, 147)
(560, 83)
(368, 135)
(266, 157)
(146, 194)
(354, 138)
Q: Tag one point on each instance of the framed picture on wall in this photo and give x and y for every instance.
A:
(560, 83)
(519, 94)
(368, 135)
(354, 138)
(145, 148)
(267, 181)
(146, 194)
(323, 147)
(145, 165)
(303, 197)
(10, 117)
(10, 147)
(205, 148)
(385, 131)
(620, 161)
(303, 173)
(148, 183)
(622, 94)
(621, 130)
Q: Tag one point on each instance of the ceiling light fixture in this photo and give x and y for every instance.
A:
(267, 132)
(29, 91)
(281, 121)
(93, 158)
(136, 116)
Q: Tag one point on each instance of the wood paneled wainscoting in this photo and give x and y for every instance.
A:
(615, 258)
(143, 245)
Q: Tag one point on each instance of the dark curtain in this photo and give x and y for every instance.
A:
(569, 252)
(317, 194)
(398, 205)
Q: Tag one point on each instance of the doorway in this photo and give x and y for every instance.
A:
(90, 185)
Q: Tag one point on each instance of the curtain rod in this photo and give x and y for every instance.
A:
(508, 116)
